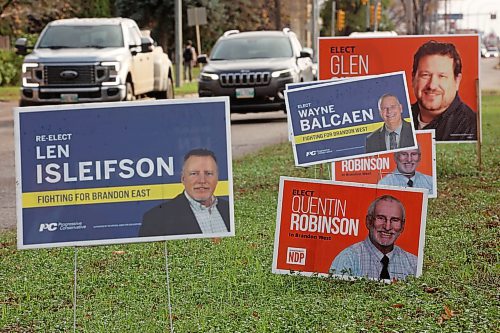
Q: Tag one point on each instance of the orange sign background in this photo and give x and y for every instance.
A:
(350, 56)
(321, 252)
(424, 139)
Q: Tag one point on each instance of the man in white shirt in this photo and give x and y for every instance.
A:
(405, 174)
(377, 257)
(395, 133)
(196, 210)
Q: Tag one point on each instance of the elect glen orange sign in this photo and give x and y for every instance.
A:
(354, 56)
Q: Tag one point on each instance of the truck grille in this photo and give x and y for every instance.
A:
(69, 75)
(245, 79)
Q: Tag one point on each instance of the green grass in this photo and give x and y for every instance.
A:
(228, 286)
(9, 93)
(187, 88)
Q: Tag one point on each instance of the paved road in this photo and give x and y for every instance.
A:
(490, 74)
(7, 177)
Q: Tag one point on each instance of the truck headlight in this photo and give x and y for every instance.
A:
(31, 74)
(209, 76)
(108, 73)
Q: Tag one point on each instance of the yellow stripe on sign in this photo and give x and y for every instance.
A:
(338, 133)
(100, 195)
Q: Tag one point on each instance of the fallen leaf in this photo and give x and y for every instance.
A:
(397, 305)
(447, 311)
(216, 240)
(118, 252)
(450, 313)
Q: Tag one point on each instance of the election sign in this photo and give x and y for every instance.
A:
(344, 229)
(452, 61)
(107, 173)
(396, 169)
(339, 119)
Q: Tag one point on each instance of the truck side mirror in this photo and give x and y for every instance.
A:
(306, 52)
(147, 44)
(20, 45)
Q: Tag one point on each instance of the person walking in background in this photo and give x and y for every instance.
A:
(189, 57)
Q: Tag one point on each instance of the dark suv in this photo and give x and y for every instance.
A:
(252, 68)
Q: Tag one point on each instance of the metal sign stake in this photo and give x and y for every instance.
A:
(168, 288)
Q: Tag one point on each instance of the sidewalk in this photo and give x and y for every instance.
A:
(6, 111)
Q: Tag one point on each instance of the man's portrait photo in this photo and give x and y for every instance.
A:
(395, 133)
(196, 210)
(436, 77)
(406, 174)
(377, 257)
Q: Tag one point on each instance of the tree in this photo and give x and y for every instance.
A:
(222, 15)
(21, 17)
(355, 17)
(421, 15)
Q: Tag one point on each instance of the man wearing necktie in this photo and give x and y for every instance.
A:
(377, 257)
(395, 133)
(406, 174)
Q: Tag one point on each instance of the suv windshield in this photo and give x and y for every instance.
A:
(252, 48)
(64, 36)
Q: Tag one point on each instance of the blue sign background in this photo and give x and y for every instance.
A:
(346, 95)
(114, 132)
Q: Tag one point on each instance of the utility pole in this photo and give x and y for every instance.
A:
(367, 19)
(315, 26)
(178, 42)
(277, 13)
(375, 18)
(334, 5)
(409, 17)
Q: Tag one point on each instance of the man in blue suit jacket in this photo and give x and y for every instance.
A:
(396, 132)
(196, 210)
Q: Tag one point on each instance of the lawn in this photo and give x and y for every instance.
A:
(9, 93)
(227, 286)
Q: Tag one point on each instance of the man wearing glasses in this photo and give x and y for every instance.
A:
(395, 133)
(377, 257)
(406, 174)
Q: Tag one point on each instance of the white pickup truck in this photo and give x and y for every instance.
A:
(93, 60)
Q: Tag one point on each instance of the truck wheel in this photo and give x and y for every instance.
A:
(168, 94)
(170, 89)
(129, 95)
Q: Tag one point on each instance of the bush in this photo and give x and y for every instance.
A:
(10, 68)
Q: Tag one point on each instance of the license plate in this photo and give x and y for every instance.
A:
(69, 98)
(245, 92)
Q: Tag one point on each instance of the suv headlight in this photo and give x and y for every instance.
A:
(283, 73)
(108, 73)
(209, 76)
(32, 74)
